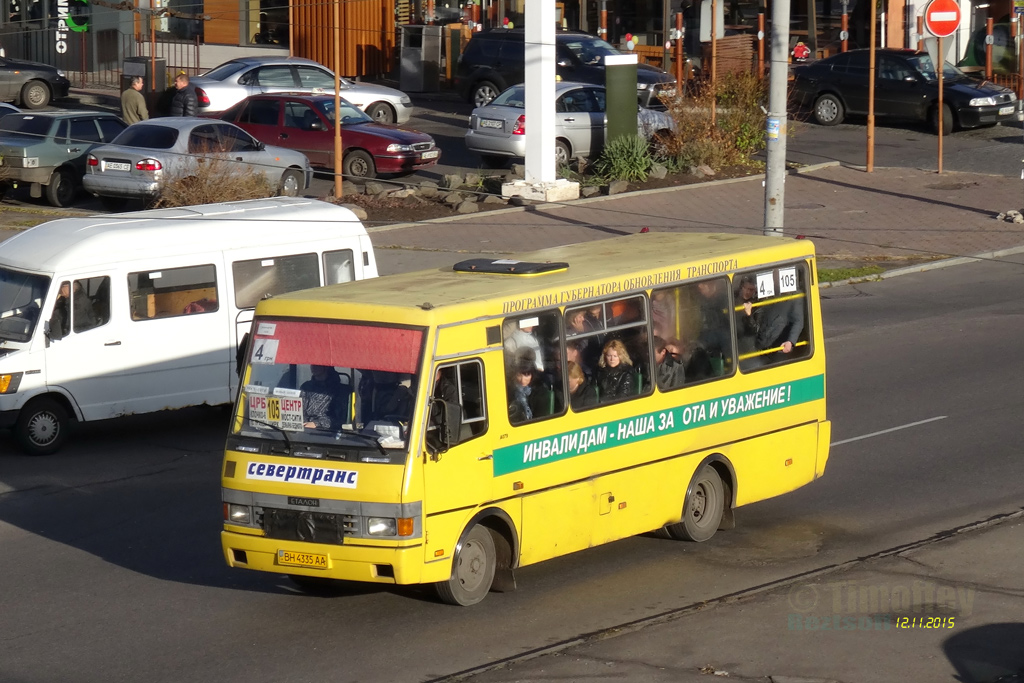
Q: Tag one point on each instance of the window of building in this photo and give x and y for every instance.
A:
(268, 22)
(259, 278)
(172, 292)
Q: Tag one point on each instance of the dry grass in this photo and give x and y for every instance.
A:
(216, 180)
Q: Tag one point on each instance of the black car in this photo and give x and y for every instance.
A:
(906, 87)
(494, 60)
(31, 84)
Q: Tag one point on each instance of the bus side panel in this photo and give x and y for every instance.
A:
(443, 532)
(760, 463)
(642, 499)
(558, 521)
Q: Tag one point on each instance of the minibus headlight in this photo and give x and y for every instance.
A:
(381, 526)
(9, 383)
(237, 514)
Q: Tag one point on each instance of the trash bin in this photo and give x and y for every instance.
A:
(143, 66)
(420, 69)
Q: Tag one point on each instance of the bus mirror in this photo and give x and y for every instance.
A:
(240, 355)
(445, 423)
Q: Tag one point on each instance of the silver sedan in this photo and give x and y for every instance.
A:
(224, 86)
(497, 131)
(139, 161)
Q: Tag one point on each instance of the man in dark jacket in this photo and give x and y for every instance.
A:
(184, 102)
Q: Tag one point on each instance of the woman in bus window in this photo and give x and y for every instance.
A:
(615, 375)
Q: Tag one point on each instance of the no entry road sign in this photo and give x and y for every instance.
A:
(942, 17)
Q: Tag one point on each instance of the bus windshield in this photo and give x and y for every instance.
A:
(331, 385)
(21, 298)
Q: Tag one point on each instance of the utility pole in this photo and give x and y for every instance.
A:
(778, 77)
(338, 161)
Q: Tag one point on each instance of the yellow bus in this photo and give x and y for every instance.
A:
(448, 426)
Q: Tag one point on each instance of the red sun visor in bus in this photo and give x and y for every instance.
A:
(366, 347)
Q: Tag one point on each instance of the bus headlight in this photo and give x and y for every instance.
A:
(381, 526)
(9, 383)
(237, 514)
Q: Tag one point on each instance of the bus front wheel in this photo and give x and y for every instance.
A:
(472, 570)
(703, 509)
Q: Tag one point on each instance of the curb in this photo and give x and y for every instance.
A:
(924, 267)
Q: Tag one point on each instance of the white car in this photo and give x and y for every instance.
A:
(228, 84)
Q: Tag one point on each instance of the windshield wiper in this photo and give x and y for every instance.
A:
(287, 441)
(366, 437)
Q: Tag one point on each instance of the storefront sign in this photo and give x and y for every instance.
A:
(66, 23)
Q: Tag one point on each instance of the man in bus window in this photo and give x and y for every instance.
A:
(775, 325)
(324, 399)
(519, 338)
(60, 319)
(670, 371)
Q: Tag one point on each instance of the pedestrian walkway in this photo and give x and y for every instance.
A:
(893, 216)
(932, 613)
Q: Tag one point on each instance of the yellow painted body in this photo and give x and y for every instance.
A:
(562, 504)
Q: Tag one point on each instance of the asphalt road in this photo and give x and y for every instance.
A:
(112, 567)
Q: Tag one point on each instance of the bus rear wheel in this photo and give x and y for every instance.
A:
(703, 508)
(472, 570)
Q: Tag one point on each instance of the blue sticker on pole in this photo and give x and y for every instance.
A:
(773, 129)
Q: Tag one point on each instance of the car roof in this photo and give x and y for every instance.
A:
(299, 95)
(61, 114)
(265, 60)
(179, 122)
(562, 86)
(501, 32)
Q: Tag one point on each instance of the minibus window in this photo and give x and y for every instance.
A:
(533, 367)
(338, 267)
(21, 299)
(260, 278)
(171, 292)
(772, 322)
(692, 333)
(90, 303)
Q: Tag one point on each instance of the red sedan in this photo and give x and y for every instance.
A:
(305, 123)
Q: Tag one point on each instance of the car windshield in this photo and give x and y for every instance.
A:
(148, 136)
(25, 124)
(350, 114)
(331, 385)
(21, 299)
(219, 73)
(513, 97)
(590, 50)
(926, 67)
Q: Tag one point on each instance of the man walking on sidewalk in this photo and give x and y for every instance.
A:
(133, 104)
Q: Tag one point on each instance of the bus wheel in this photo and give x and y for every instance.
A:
(702, 511)
(472, 570)
(42, 426)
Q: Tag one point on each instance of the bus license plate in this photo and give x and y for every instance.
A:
(310, 560)
(430, 155)
(1006, 110)
(117, 166)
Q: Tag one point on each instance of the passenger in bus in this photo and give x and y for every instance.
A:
(776, 325)
(520, 337)
(582, 392)
(60, 319)
(529, 399)
(595, 318)
(663, 314)
(714, 318)
(392, 396)
(324, 399)
(615, 377)
(574, 354)
(671, 373)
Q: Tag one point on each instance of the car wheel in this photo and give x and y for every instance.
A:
(35, 95)
(702, 509)
(381, 112)
(493, 160)
(358, 164)
(562, 154)
(62, 188)
(947, 119)
(113, 204)
(291, 183)
(42, 426)
(828, 110)
(483, 93)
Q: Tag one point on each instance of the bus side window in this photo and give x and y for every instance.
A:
(338, 267)
(533, 367)
(692, 321)
(623, 367)
(462, 384)
(772, 321)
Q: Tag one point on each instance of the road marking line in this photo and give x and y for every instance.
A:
(886, 431)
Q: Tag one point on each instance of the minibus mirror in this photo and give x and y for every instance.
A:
(46, 332)
(445, 426)
(240, 354)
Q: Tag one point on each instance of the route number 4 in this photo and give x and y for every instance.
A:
(765, 285)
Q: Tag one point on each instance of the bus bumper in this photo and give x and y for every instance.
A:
(371, 564)
(824, 441)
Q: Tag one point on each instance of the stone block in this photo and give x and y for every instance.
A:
(359, 211)
(453, 199)
(558, 191)
(428, 188)
(590, 190)
(472, 179)
(493, 199)
(518, 171)
(452, 181)
(373, 188)
(618, 187)
(658, 171)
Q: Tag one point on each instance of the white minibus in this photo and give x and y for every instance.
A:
(112, 315)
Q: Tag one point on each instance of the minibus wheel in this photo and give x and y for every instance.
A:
(703, 508)
(472, 570)
(42, 426)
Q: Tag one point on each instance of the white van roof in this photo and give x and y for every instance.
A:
(99, 240)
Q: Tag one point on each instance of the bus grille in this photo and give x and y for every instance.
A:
(311, 527)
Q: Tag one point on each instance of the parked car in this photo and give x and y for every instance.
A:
(48, 150)
(497, 131)
(494, 60)
(33, 85)
(305, 123)
(140, 160)
(231, 82)
(906, 87)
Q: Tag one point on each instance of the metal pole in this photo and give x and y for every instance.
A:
(1020, 56)
(844, 26)
(602, 29)
(152, 45)
(920, 33)
(337, 99)
(778, 75)
(871, 91)
(940, 67)
(988, 49)
(714, 60)
(680, 75)
(760, 45)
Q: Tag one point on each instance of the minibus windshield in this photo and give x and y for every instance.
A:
(21, 300)
(333, 384)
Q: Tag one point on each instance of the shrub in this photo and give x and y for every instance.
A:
(627, 157)
(215, 180)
